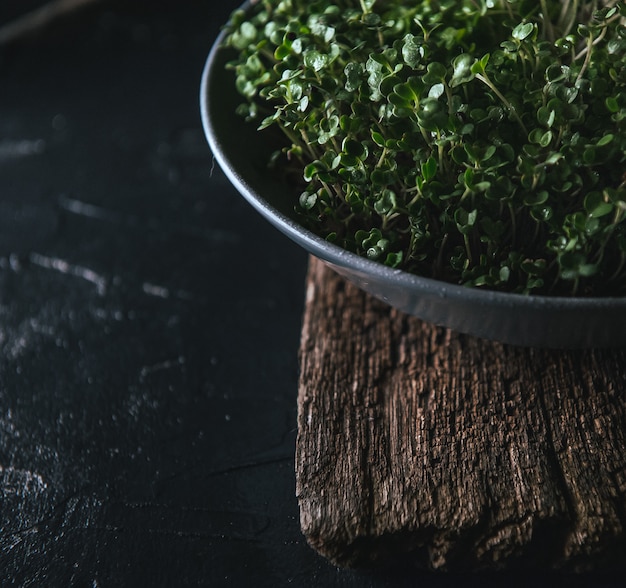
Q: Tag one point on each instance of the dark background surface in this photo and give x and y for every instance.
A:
(149, 325)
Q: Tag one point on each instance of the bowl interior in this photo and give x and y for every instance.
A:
(243, 152)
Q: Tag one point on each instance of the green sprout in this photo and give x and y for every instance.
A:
(480, 142)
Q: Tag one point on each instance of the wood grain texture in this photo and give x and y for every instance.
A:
(420, 445)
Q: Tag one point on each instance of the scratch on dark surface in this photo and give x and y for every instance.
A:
(156, 519)
(64, 267)
(164, 292)
(10, 150)
(20, 482)
(251, 464)
(243, 466)
(159, 367)
(88, 210)
(93, 211)
(156, 291)
(14, 262)
(18, 334)
(179, 521)
(14, 341)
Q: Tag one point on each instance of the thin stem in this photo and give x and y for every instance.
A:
(449, 98)
(506, 6)
(440, 153)
(587, 58)
(441, 250)
(382, 157)
(513, 224)
(572, 12)
(563, 14)
(595, 42)
(468, 248)
(426, 137)
(547, 22)
(485, 80)
(295, 141)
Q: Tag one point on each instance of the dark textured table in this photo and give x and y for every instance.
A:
(149, 325)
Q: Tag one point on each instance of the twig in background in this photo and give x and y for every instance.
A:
(34, 21)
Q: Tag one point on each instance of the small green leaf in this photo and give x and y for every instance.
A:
(354, 76)
(596, 206)
(557, 72)
(553, 158)
(605, 140)
(541, 213)
(545, 139)
(589, 155)
(465, 220)
(546, 116)
(612, 104)
(394, 259)
(386, 203)
(468, 177)
(436, 91)
(429, 169)
(509, 46)
(405, 91)
(412, 51)
(435, 73)
(540, 137)
(308, 200)
(459, 155)
(311, 170)
(536, 198)
(281, 52)
(462, 69)
(371, 19)
(378, 138)
(523, 31)
(353, 147)
(315, 60)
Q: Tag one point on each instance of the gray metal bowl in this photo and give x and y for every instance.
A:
(539, 321)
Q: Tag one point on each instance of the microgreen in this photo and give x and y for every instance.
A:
(480, 142)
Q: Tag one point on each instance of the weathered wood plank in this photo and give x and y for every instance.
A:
(453, 452)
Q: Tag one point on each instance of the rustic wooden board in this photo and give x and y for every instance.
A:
(451, 452)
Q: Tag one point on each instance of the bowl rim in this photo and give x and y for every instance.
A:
(343, 258)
